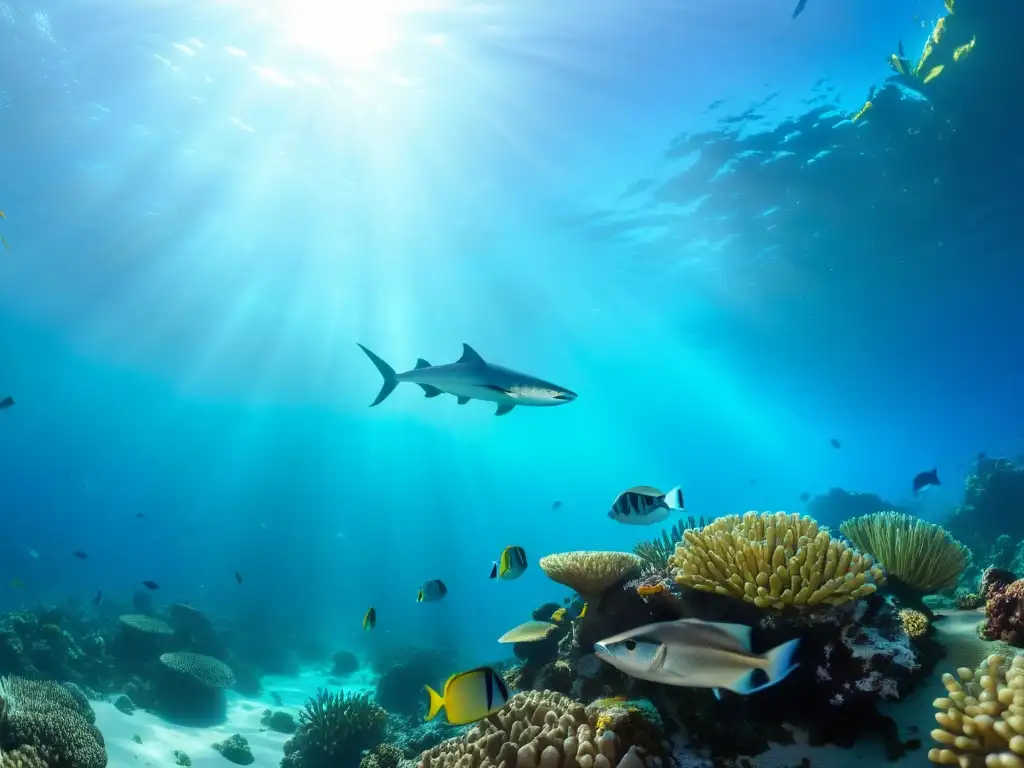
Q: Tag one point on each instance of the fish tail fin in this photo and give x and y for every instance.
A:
(494, 570)
(674, 498)
(436, 703)
(780, 662)
(386, 371)
(419, 596)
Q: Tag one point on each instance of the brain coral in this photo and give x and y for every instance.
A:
(54, 720)
(774, 561)
(538, 730)
(980, 717)
(211, 672)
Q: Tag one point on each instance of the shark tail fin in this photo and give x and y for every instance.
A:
(387, 372)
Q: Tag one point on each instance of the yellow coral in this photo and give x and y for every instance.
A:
(914, 623)
(921, 555)
(981, 716)
(774, 561)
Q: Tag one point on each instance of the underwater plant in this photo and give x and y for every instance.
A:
(333, 729)
(654, 554)
(774, 561)
(916, 554)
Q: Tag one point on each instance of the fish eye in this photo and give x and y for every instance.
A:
(631, 645)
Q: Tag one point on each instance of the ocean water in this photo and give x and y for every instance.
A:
(661, 206)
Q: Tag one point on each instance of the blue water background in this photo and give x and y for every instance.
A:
(196, 250)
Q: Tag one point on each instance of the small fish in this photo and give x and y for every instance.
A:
(469, 696)
(982, 456)
(510, 565)
(140, 514)
(697, 654)
(583, 611)
(835, 444)
(805, 496)
(3, 215)
(4, 241)
(926, 479)
(33, 554)
(17, 584)
(558, 615)
(643, 505)
(370, 620)
(7, 402)
(646, 590)
(80, 554)
(98, 599)
(238, 577)
(556, 505)
(472, 378)
(432, 591)
(150, 584)
(801, 4)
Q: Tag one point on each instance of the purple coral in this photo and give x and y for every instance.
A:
(1004, 613)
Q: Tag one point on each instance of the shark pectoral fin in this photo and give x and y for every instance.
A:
(431, 391)
(463, 400)
(421, 363)
(503, 408)
(496, 388)
(469, 355)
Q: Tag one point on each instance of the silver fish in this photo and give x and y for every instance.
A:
(697, 654)
(473, 378)
(643, 505)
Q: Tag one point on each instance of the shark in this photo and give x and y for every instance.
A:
(472, 378)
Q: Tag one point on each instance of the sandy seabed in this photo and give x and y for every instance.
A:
(160, 738)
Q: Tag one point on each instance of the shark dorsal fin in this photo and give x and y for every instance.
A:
(421, 363)
(469, 355)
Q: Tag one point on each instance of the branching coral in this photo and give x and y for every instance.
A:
(545, 730)
(919, 554)
(980, 717)
(774, 561)
(333, 730)
(589, 573)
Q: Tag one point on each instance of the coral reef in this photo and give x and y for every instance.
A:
(344, 663)
(181, 758)
(1004, 613)
(54, 719)
(832, 508)
(968, 601)
(334, 729)
(382, 756)
(278, 720)
(537, 729)
(919, 557)
(980, 717)
(189, 688)
(993, 496)
(236, 749)
(774, 561)
(590, 573)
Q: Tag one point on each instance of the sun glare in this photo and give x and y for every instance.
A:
(350, 32)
